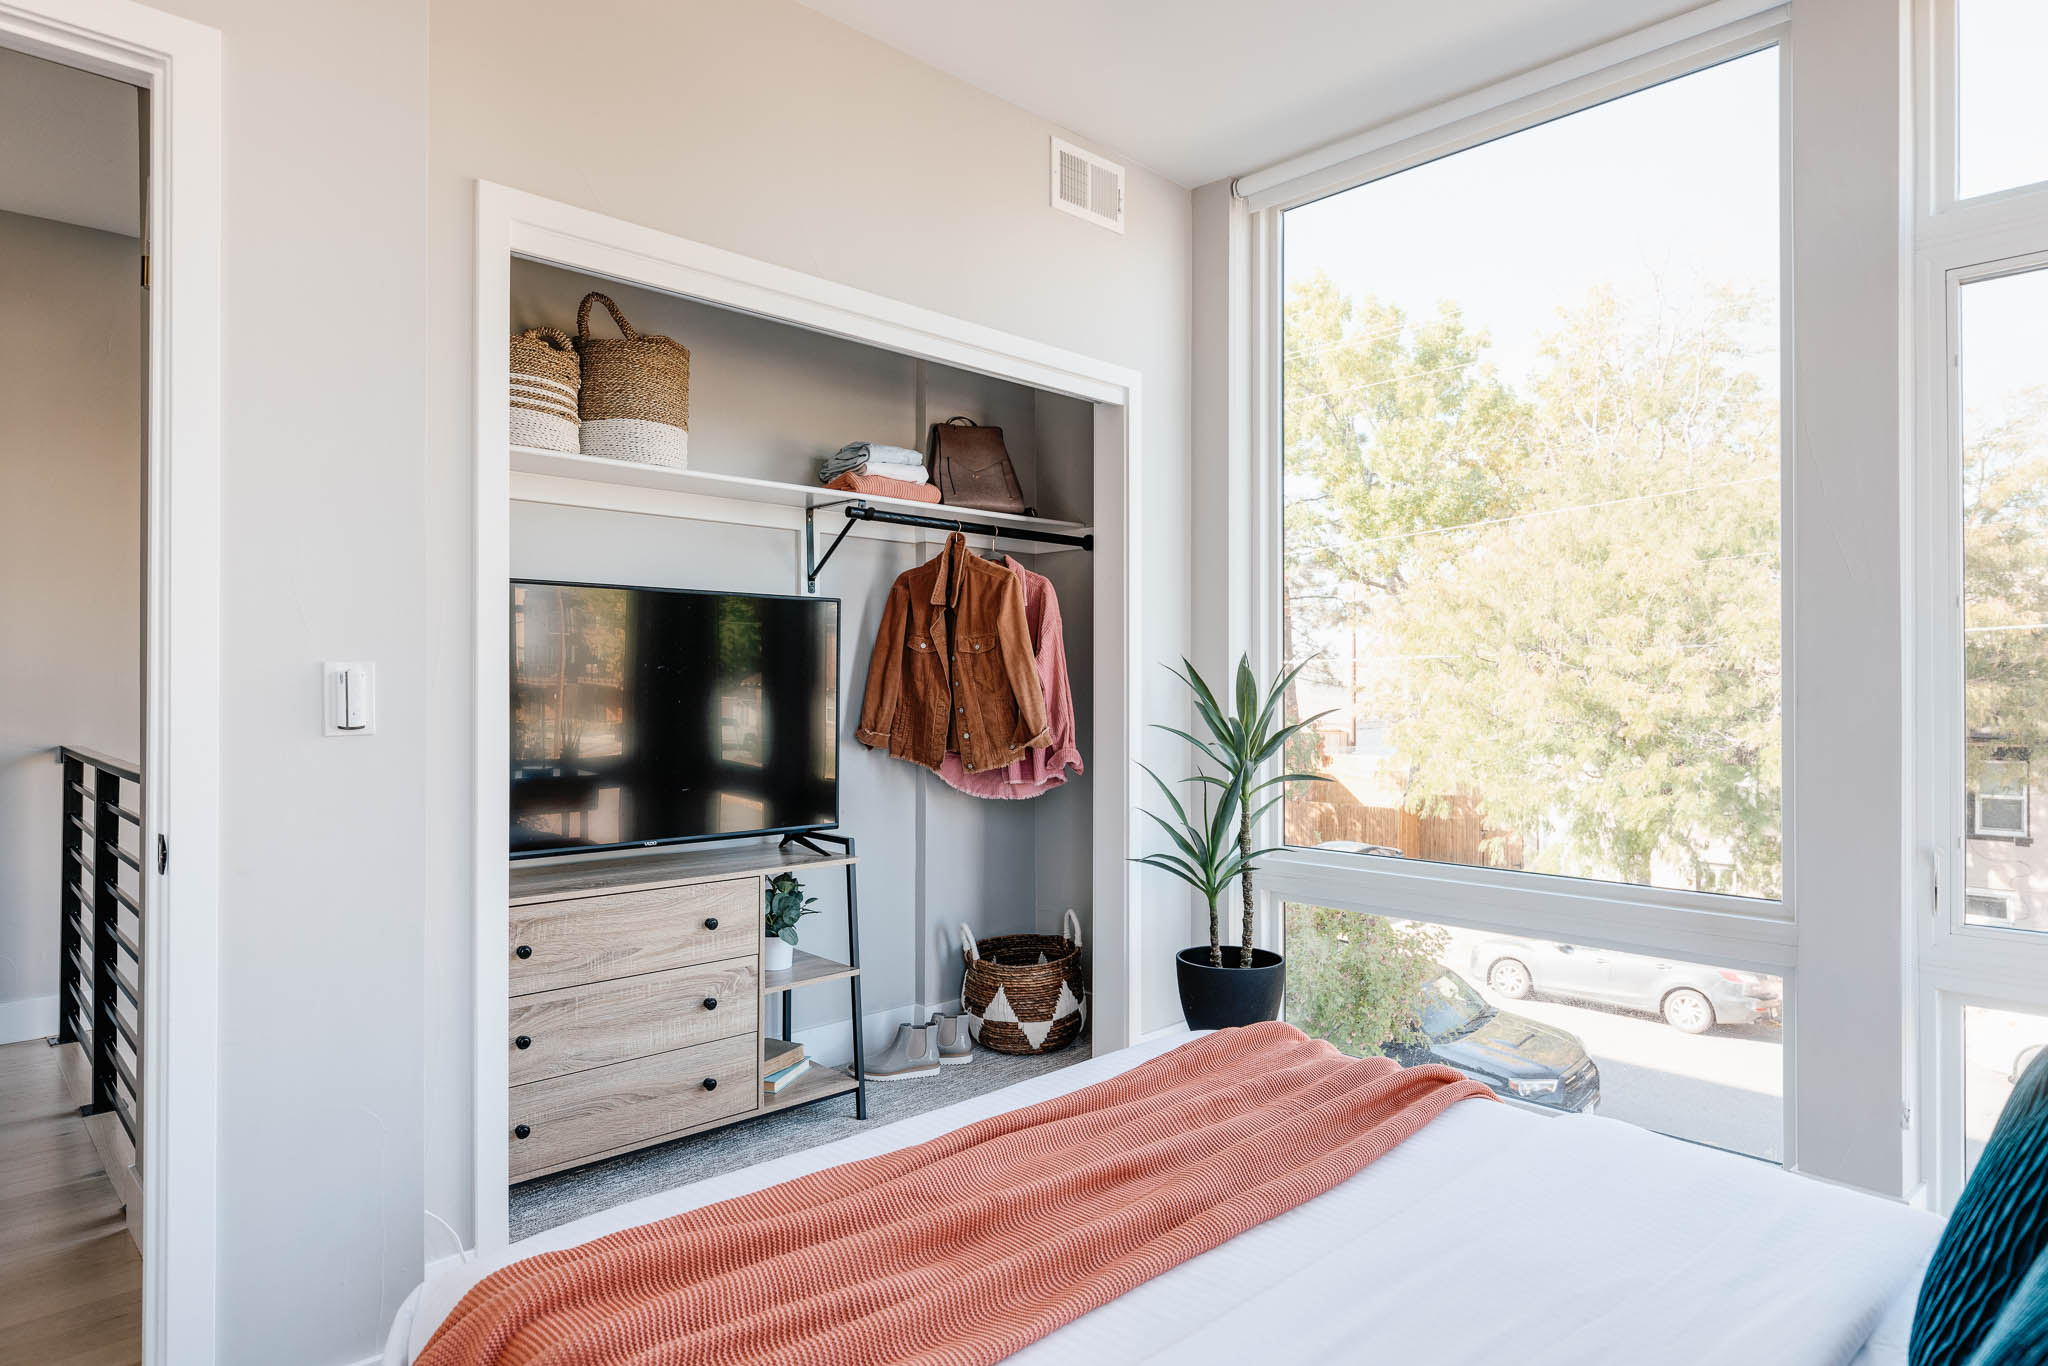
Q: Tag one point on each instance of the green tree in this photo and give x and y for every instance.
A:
(2005, 581)
(1352, 978)
(1575, 610)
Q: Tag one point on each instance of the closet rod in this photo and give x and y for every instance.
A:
(861, 512)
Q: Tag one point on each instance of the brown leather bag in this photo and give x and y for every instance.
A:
(971, 468)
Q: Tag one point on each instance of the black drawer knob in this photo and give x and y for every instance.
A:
(710, 922)
(523, 951)
(521, 1130)
(711, 1003)
(711, 1083)
(523, 1041)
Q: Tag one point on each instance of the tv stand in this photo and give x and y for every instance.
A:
(637, 998)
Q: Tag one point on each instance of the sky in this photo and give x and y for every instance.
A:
(1671, 188)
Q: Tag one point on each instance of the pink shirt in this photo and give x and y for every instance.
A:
(1040, 770)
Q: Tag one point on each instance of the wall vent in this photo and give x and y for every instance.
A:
(1086, 186)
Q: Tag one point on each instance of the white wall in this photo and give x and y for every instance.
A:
(71, 560)
(768, 130)
(323, 542)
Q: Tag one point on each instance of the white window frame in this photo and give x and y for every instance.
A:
(1850, 1060)
(1957, 242)
(1979, 829)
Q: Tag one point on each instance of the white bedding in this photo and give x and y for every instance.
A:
(1494, 1235)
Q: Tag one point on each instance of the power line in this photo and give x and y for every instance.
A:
(1561, 511)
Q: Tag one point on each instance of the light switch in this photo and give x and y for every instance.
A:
(349, 698)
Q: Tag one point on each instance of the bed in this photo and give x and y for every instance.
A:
(1493, 1235)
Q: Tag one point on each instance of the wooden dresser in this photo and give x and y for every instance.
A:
(636, 1001)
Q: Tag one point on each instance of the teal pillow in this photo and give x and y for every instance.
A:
(2020, 1336)
(1995, 1237)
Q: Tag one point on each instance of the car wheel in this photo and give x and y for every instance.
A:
(1688, 1011)
(1509, 978)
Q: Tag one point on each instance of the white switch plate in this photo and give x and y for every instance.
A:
(348, 698)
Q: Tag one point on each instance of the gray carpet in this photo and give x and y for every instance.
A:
(551, 1200)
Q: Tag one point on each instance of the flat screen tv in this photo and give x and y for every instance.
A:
(646, 716)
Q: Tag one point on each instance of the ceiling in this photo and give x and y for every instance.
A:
(1198, 90)
(69, 146)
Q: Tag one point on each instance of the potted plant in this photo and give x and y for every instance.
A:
(1222, 987)
(787, 904)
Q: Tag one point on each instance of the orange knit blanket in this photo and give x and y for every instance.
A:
(962, 1250)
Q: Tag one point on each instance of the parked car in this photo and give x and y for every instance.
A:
(1514, 1055)
(1689, 997)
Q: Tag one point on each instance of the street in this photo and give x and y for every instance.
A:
(1723, 1088)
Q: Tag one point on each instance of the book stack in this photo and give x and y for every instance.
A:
(782, 1062)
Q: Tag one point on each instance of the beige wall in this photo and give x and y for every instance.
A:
(70, 560)
(767, 130)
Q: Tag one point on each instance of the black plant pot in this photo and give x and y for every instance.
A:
(1218, 998)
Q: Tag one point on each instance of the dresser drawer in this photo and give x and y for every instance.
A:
(574, 1028)
(597, 938)
(606, 1109)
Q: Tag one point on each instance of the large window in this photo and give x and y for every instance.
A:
(1983, 606)
(1531, 497)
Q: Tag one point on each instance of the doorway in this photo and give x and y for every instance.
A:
(72, 459)
(120, 604)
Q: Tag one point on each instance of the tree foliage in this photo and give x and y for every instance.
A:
(1570, 595)
(2005, 580)
(1353, 978)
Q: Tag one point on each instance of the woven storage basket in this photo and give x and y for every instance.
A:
(546, 377)
(635, 399)
(1023, 991)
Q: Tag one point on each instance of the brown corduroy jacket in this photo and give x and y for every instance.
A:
(952, 667)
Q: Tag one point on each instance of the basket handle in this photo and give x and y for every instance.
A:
(1072, 924)
(583, 317)
(967, 948)
(552, 336)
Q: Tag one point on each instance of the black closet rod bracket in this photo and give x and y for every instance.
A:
(856, 511)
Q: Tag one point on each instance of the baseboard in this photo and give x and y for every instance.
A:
(32, 1017)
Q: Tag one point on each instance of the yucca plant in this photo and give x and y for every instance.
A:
(1241, 741)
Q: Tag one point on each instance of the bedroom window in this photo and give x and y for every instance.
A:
(1530, 497)
(2001, 134)
(1675, 1046)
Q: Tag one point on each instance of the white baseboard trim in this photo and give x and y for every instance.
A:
(32, 1017)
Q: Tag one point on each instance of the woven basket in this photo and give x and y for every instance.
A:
(635, 399)
(545, 379)
(1023, 992)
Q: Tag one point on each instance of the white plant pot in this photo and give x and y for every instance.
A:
(776, 955)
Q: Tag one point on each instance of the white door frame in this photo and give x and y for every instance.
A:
(179, 63)
(510, 222)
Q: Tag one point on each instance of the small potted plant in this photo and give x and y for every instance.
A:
(1222, 987)
(787, 904)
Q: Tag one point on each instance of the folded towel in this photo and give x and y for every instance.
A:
(900, 461)
(886, 488)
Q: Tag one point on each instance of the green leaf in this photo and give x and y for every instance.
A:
(788, 935)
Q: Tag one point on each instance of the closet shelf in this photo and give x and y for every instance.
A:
(742, 488)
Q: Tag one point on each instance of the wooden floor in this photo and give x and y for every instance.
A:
(70, 1277)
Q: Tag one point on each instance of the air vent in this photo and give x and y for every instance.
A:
(1086, 186)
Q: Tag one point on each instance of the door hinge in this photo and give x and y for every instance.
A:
(1906, 1117)
(163, 853)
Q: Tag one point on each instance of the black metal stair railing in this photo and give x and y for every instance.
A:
(99, 991)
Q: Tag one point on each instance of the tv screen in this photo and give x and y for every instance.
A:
(653, 715)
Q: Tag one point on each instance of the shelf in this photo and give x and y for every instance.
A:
(815, 1084)
(806, 970)
(589, 469)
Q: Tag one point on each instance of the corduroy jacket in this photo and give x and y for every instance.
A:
(952, 667)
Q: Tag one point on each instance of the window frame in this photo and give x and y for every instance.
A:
(1725, 930)
(1584, 906)
(1957, 242)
